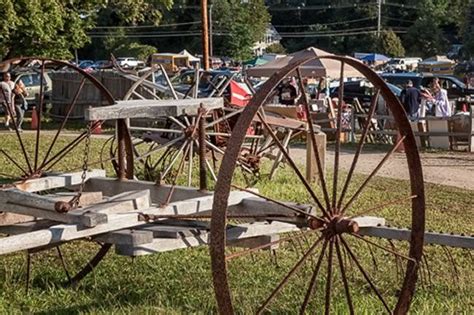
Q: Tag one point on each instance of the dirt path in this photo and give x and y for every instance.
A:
(445, 168)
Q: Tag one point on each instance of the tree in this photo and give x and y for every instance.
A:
(242, 24)
(121, 45)
(425, 39)
(54, 28)
(276, 48)
(390, 44)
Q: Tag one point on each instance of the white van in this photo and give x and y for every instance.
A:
(405, 64)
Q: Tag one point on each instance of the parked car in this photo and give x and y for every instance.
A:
(403, 64)
(84, 64)
(32, 81)
(183, 82)
(129, 62)
(101, 64)
(363, 90)
(452, 84)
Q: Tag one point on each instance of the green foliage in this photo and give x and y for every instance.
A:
(244, 24)
(390, 44)
(120, 45)
(425, 39)
(276, 48)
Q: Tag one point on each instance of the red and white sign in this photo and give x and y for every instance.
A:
(239, 95)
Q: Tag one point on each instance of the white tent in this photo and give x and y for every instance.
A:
(314, 68)
(184, 52)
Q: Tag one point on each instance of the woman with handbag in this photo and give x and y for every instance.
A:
(21, 106)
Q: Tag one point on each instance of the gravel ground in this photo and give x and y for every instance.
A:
(444, 168)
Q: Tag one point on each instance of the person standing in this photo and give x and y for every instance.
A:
(9, 107)
(441, 101)
(287, 93)
(19, 101)
(411, 99)
(5, 100)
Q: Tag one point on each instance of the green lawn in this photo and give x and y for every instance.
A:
(180, 281)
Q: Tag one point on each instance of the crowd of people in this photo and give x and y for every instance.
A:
(12, 99)
(422, 102)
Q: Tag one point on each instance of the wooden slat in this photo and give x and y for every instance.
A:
(243, 231)
(57, 181)
(459, 241)
(152, 108)
(67, 232)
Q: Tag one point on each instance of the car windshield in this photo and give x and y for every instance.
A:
(458, 82)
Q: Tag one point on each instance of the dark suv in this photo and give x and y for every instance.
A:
(450, 83)
(360, 89)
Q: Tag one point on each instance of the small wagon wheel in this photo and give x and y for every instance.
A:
(50, 147)
(167, 149)
(334, 246)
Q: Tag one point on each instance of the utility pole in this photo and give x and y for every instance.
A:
(205, 35)
(379, 17)
(211, 47)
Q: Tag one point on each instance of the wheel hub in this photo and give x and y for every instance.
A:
(335, 226)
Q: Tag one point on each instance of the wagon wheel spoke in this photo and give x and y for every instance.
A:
(320, 220)
(18, 136)
(266, 245)
(178, 172)
(338, 140)
(14, 163)
(63, 123)
(40, 112)
(383, 205)
(365, 132)
(374, 172)
(342, 269)
(312, 282)
(327, 304)
(288, 276)
(388, 250)
(293, 166)
(365, 274)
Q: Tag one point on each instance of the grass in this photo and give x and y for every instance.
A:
(181, 281)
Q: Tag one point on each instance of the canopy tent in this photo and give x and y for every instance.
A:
(314, 68)
(191, 58)
(257, 61)
(375, 58)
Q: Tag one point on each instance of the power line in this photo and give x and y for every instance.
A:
(324, 24)
(321, 7)
(146, 26)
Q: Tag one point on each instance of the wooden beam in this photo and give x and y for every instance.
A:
(233, 234)
(459, 241)
(68, 232)
(57, 181)
(158, 193)
(152, 108)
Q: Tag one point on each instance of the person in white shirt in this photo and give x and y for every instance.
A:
(8, 103)
(441, 101)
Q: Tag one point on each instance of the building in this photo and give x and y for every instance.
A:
(271, 37)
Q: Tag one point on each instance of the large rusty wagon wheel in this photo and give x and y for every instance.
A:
(334, 247)
(51, 146)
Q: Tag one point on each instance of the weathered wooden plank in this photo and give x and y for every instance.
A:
(87, 198)
(86, 219)
(459, 241)
(158, 193)
(57, 181)
(21, 202)
(152, 108)
(121, 203)
(26, 227)
(131, 237)
(67, 232)
(234, 233)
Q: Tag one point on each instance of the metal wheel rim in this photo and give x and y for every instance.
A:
(218, 221)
